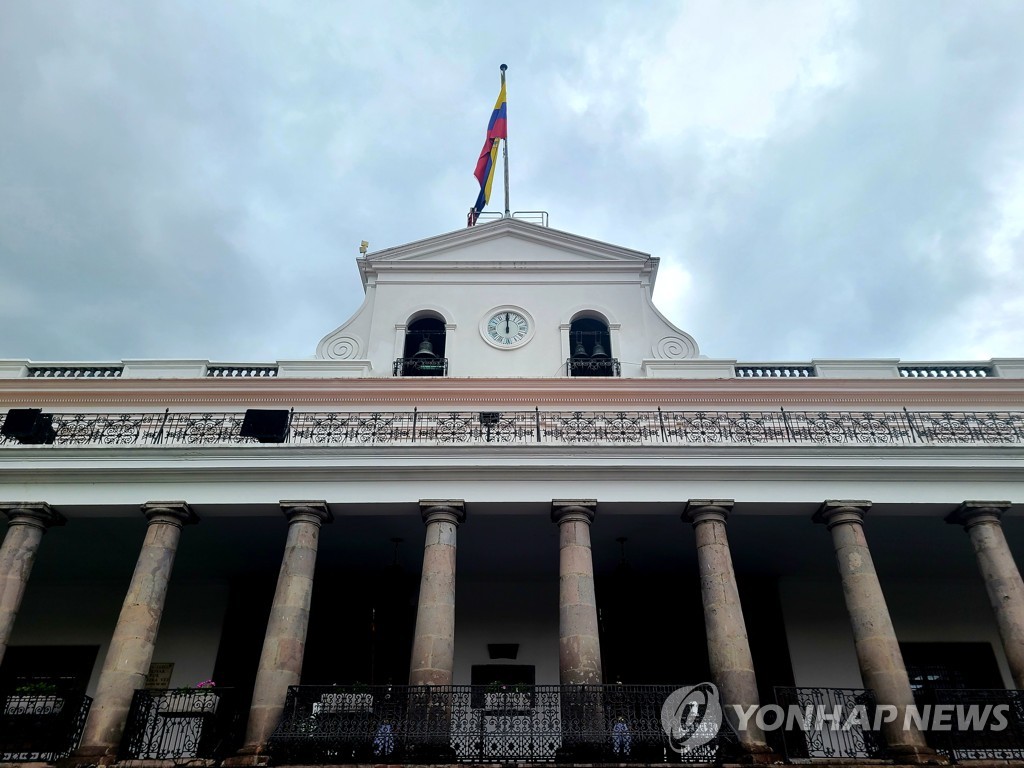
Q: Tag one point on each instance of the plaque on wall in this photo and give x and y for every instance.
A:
(159, 676)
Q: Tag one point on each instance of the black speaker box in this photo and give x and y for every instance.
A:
(267, 426)
(29, 426)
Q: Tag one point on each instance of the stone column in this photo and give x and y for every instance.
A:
(28, 520)
(433, 645)
(579, 649)
(285, 640)
(878, 651)
(981, 520)
(732, 667)
(131, 648)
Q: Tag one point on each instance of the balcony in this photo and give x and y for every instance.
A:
(41, 727)
(182, 724)
(657, 427)
(474, 724)
(996, 720)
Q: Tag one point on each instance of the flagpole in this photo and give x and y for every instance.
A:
(508, 214)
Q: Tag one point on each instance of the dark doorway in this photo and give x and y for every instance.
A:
(360, 628)
(424, 352)
(64, 669)
(933, 666)
(590, 349)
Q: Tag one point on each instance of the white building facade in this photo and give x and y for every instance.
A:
(503, 513)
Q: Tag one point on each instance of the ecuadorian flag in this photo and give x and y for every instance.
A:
(497, 129)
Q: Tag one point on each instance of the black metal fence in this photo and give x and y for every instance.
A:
(420, 366)
(41, 727)
(588, 366)
(658, 427)
(180, 724)
(477, 724)
(825, 723)
(975, 724)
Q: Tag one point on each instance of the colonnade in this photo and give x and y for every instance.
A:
(432, 662)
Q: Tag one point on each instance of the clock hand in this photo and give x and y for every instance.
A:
(506, 322)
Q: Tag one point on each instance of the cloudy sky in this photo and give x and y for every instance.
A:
(820, 179)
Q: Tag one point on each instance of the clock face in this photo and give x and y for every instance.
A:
(507, 328)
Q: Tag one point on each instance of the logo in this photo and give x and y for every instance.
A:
(691, 717)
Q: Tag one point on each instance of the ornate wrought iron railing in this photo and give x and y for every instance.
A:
(982, 724)
(41, 727)
(177, 724)
(820, 726)
(682, 428)
(589, 366)
(472, 724)
(420, 366)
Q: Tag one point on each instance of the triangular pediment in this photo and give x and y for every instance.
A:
(507, 240)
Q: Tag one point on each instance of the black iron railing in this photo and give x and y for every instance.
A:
(588, 366)
(177, 724)
(976, 724)
(684, 428)
(41, 727)
(420, 366)
(824, 723)
(476, 724)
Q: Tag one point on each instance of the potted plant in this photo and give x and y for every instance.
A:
(34, 698)
(499, 695)
(199, 701)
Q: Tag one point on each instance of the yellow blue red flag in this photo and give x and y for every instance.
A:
(497, 129)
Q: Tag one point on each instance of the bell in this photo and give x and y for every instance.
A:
(426, 349)
(599, 350)
(580, 350)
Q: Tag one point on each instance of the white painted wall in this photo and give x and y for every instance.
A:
(85, 613)
(551, 276)
(819, 635)
(524, 612)
(821, 642)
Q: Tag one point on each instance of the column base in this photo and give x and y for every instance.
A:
(248, 756)
(88, 756)
(909, 754)
(753, 754)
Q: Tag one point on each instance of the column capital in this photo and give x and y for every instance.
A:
(701, 510)
(971, 513)
(177, 513)
(313, 511)
(579, 510)
(834, 512)
(445, 510)
(35, 513)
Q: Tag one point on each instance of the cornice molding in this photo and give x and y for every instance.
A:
(567, 394)
(103, 468)
(499, 229)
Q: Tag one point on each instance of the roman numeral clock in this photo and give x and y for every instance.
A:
(507, 327)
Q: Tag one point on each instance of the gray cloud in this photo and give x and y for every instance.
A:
(192, 179)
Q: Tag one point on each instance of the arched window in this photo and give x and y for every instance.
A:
(590, 349)
(424, 349)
